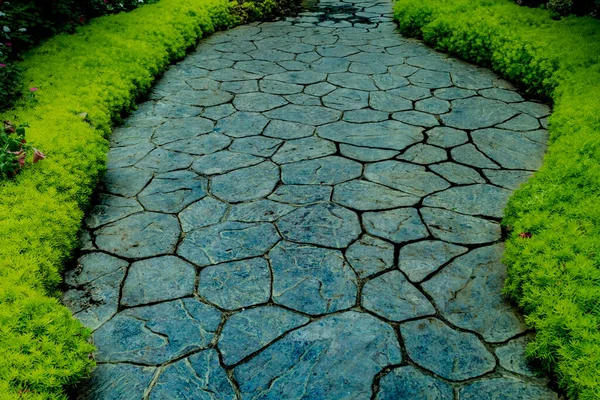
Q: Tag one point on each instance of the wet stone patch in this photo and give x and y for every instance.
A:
(310, 209)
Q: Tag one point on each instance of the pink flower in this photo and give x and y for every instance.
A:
(38, 155)
(34, 89)
(8, 44)
(2, 65)
(20, 156)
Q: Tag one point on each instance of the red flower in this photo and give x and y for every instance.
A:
(8, 44)
(525, 235)
(38, 155)
(2, 65)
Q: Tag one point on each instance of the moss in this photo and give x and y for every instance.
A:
(100, 70)
(554, 275)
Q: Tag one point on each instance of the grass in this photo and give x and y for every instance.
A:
(555, 275)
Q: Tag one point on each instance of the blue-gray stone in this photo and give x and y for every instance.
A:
(158, 333)
(172, 109)
(256, 145)
(385, 135)
(311, 279)
(350, 80)
(161, 160)
(507, 179)
(116, 382)
(182, 128)
(322, 171)
(454, 93)
(173, 191)
(140, 235)
(333, 358)
(124, 136)
(298, 77)
(366, 154)
(512, 356)
(259, 211)
(201, 145)
(405, 177)
(288, 130)
(309, 115)
(399, 225)
(410, 383)
(411, 92)
(403, 69)
(236, 284)
(468, 293)
(365, 196)
(346, 99)
(432, 106)
(198, 377)
(391, 296)
(471, 79)
(304, 149)
(453, 227)
(430, 62)
(111, 208)
(250, 330)
(423, 154)
(457, 173)
(224, 161)
(505, 388)
(468, 154)
(227, 241)
(418, 260)
(319, 89)
(126, 182)
(370, 255)
(240, 86)
(485, 200)
(276, 87)
(417, 118)
(477, 112)
(430, 79)
(303, 99)
(301, 194)
(218, 112)
(521, 122)
(205, 212)
(127, 156)
(330, 65)
(322, 224)
(513, 150)
(158, 279)
(536, 110)
(242, 124)
(205, 83)
(451, 354)
(259, 67)
(366, 115)
(248, 183)
(390, 81)
(230, 74)
(258, 102)
(336, 50)
(388, 102)
(507, 96)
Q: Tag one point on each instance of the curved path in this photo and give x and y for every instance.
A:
(309, 209)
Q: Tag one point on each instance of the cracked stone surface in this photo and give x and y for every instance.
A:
(310, 209)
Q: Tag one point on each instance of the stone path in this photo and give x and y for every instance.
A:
(309, 209)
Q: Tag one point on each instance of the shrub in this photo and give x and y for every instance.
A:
(43, 348)
(555, 274)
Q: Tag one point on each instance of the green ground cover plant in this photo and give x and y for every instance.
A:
(86, 81)
(554, 274)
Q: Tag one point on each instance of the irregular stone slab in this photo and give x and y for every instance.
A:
(206, 83)
(418, 260)
(322, 224)
(236, 284)
(370, 255)
(127, 156)
(182, 128)
(256, 145)
(160, 160)
(459, 228)
(468, 154)
(468, 293)
(454, 93)
(171, 109)
(303, 99)
(513, 150)
(389, 81)
(365, 196)
(242, 124)
(224, 161)
(205, 212)
(301, 194)
(521, 122)
(512, 356)
(92, 266)
(199, 376)
(271, 55)
(368, 68)
(230, 74)
(173, 191)
(126, 182)
(423, 154)
(246, 183)
(140, 235)
(298, 77)
(388, 102)
(385, 135)
(240, 86)
(158, 279)
(259, 211)
(351, 80)
(309, 115)
(486, 200)
(392, 297)
(507, 96)
(250, 330)
(259, 67)
(366, 115)
(457, 173)
(304, 149)
(536, 110)
(416, 118)
(158, 333)
(511, 389)
(288, 130)
(405, 177)
(201, 145)
(507, 179)
(471, 79)
(411, 92)
(451, 354)
(430, 79)
(116, 381)
(315, 362)
(410, 383)
(399, 225)
(433, 106)
(319, 89)
(311, 279)
(204, 98)
(446, 137)
(218, 112)
(130, 136)
(322, 171)
(330, 65)
(276, 87)
(366, 154)
(346, 99)
(477, 112)
(110, 209)
(227, 241)
(336, 50)
(257, 101)
(402, 70)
